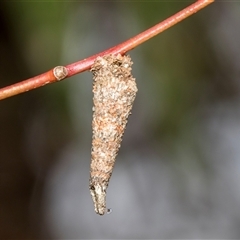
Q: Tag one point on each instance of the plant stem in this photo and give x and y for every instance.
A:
(85, 64)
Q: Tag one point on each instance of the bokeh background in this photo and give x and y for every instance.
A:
(178, 171)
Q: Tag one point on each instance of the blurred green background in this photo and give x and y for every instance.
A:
(177, 173)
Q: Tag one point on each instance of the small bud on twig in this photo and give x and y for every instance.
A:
(60, 72)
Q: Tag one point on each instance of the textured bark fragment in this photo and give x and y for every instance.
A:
(114, 91)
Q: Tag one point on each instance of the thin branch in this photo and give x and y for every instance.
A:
(85, 64)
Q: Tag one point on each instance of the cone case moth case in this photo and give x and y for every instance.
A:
(114, 91)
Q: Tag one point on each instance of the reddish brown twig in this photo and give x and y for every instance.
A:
(85, 64)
